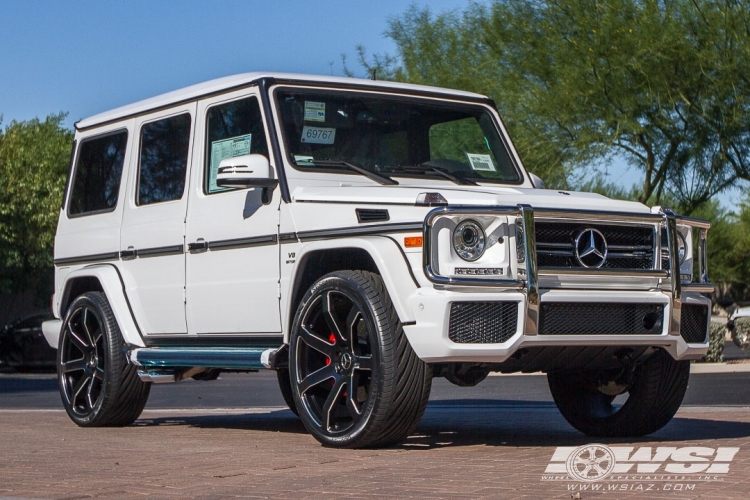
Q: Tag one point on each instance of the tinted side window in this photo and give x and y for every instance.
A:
(163, 162)
(234, 129)
(98, 173)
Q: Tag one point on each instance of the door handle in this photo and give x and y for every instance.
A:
(128, 254)
(198, 246)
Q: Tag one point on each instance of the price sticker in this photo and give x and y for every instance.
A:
(318, 135)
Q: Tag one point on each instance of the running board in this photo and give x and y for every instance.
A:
(228, 358)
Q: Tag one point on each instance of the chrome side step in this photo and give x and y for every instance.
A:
(228, 358)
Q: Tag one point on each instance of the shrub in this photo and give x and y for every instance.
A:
(741, 332)
(716, 337)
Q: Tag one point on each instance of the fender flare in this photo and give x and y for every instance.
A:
(111, 282)
(388, 258)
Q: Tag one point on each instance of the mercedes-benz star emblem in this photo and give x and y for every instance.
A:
(591, 248)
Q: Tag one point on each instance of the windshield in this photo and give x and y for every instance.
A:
(393, 136)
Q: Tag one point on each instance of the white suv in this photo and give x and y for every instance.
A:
(359, 237)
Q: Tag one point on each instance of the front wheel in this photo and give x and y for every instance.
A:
(654, 394)
(355, 379)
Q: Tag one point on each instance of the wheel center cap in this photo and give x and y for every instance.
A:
(346, 361)
(92, 361)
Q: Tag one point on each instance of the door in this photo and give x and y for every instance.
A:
(153, 224)
(233, 253)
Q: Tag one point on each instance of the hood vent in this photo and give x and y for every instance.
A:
(365, 215)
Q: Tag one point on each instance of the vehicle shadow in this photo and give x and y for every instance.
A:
(272, 421)
(538, 423)
(501, 423)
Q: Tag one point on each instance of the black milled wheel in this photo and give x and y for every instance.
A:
(97, 386)
(653, 397)
(355, 379)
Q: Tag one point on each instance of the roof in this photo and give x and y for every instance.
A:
(245, 79)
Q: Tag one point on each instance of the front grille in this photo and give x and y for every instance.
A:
(629, 247)
(482, 322)
(693, 323)
(565, 318)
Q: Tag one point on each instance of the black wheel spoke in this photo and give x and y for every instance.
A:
(99, 373)
(329, 314)
(351, 397)
(86, 330)
(333, 397)
(316, 342)
(363, 363)
(80, 386)
(315, 378)
(77, 341)
(90, 393)
(73, 366)
(351, 323)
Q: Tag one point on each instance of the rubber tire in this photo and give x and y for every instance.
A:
(654, 396)
(285, 386)
(124, 395)
(401, 382)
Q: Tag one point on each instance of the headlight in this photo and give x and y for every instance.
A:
(681, 247)
(469, 240)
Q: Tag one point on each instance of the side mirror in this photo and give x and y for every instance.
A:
(537, 181)
(246, 171)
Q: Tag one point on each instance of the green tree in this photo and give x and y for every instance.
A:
(34, 156)
(665, 85)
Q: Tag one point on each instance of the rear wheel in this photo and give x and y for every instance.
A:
(97, 386)
(654, 393)
(355, 379)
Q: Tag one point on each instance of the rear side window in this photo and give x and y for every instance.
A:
(163, 162)
(98, 173)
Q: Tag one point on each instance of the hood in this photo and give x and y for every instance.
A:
(468, 195)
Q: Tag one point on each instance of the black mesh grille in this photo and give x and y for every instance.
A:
(482, 322)
(693, 321)
(629, 247)
(600, 319)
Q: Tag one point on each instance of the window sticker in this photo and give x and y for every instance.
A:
(315, 111)
(223, 149)
(318, 135)
(304, 160)
(481, 162)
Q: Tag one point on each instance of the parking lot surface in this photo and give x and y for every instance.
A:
(469, 449)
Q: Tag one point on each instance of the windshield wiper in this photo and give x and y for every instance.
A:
(437, 170)
(375, 176)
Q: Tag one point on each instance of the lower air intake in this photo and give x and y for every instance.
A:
(482, 322)
(566, 318)
(693, 321)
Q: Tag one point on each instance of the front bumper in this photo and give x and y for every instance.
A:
(429, 334)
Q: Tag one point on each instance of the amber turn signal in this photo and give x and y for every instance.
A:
(412, 241)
